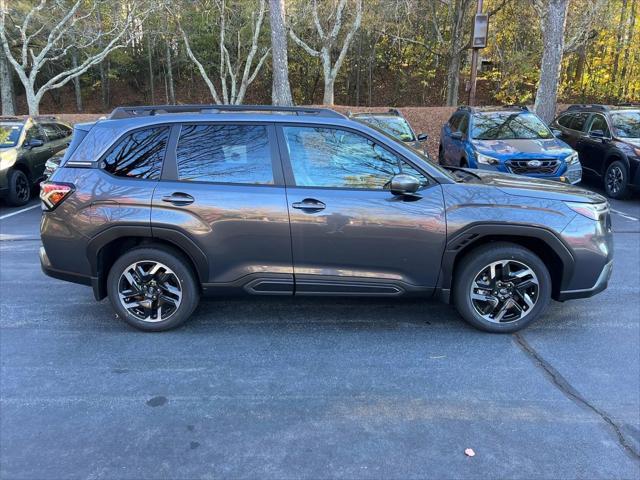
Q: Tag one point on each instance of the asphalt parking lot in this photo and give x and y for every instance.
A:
(267, 387)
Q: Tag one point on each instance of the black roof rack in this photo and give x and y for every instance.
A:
(467, 108)
(150, 110)
(589, 106)
(395, 111)
(628, 104)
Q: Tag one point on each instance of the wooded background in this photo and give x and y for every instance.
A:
(90, 55)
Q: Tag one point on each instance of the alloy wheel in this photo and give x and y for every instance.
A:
(23, 191)
(615, 179)
(150, 291)
(504, 291)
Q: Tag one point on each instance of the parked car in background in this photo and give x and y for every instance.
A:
(53, 163)
(507, 139)
(607, 139)
(152, 209)
(394, 124)
(25, 146)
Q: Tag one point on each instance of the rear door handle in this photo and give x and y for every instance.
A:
(178, 198)
(309, 205)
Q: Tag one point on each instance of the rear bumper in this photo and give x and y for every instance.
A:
(48, 270)
(601, 283)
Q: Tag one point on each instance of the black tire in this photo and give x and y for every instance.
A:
(181, 276)
(616, 180)
(472, 266)
(19, 188)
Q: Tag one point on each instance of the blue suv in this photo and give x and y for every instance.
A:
(507, 139)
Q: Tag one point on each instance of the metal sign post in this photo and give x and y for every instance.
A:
(480, 32)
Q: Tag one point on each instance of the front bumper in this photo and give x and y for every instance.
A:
(601, 284)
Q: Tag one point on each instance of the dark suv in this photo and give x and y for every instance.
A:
(153, 209)
(25, 147)
(607, 139)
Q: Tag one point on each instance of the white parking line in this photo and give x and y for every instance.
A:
(37, 205)
(622, 214)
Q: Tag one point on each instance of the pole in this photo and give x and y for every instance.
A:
(474, 67)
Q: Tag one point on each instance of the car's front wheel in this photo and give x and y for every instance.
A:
(501, 287)
(153, 288)
(616, 180)
(19, 188)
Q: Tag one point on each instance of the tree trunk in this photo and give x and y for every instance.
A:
(33, 101)
(455, 54)
(280, 88)
(104, 79)
(150, 62)
(172, 92)
(329, 83)
(76, 81)
(6, 86)
(553, 23)
(630, 24)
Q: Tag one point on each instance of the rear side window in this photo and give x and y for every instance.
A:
(578, 121)
(139, 154)
(565, 121)
(65, 131)
(454, 122)
(598, 122)
(224, 154)
(51, 131)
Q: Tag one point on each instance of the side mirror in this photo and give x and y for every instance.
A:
(403, 184)
(34, 143)
(456, 135)
(596, 134)
(423, 137)
(556, 132)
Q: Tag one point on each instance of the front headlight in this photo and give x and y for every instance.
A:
(7, 159)
(572, 159)
(589, 210)
(486, 159)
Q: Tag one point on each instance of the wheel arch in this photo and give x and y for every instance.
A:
(544, 243)
(612, 157)
(104, 249)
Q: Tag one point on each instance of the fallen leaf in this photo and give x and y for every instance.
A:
(469, 452)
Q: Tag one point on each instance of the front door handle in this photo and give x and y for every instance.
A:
(178, 198)
(309, 205)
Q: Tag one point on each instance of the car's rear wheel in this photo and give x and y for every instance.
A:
(19, 188)
(501, 287)
(616, 180)
(152, 288)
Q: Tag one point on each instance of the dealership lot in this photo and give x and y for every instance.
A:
(266, 387)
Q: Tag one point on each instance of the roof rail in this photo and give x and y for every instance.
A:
(628, 104)
(466, 108)
(150, 110)
(589, 106)
(395, 111)
(520, 107)
(13, 118)
(44, 117)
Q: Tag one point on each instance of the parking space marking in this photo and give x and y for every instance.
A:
(625, 215)
(19, 211)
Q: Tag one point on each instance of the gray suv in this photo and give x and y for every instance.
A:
(157, 205)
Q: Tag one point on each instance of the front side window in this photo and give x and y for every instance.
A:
(329, 157)
(626, 124)
(599, 123)
(508, 126)
(34, 133)
(139, 154)
(454, 122)
(565, 121)
(224, 154)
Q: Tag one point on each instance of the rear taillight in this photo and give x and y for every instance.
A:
(53, 193)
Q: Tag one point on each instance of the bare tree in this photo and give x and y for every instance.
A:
(44, 37)
(553, 16)
(281, 90)
(328, 40)
(235, 75)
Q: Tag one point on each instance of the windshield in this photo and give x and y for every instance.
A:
(395, 126)
(9, 134)
(626, 124)
(508, 126)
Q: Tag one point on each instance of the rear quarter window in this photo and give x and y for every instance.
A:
(139, 154)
